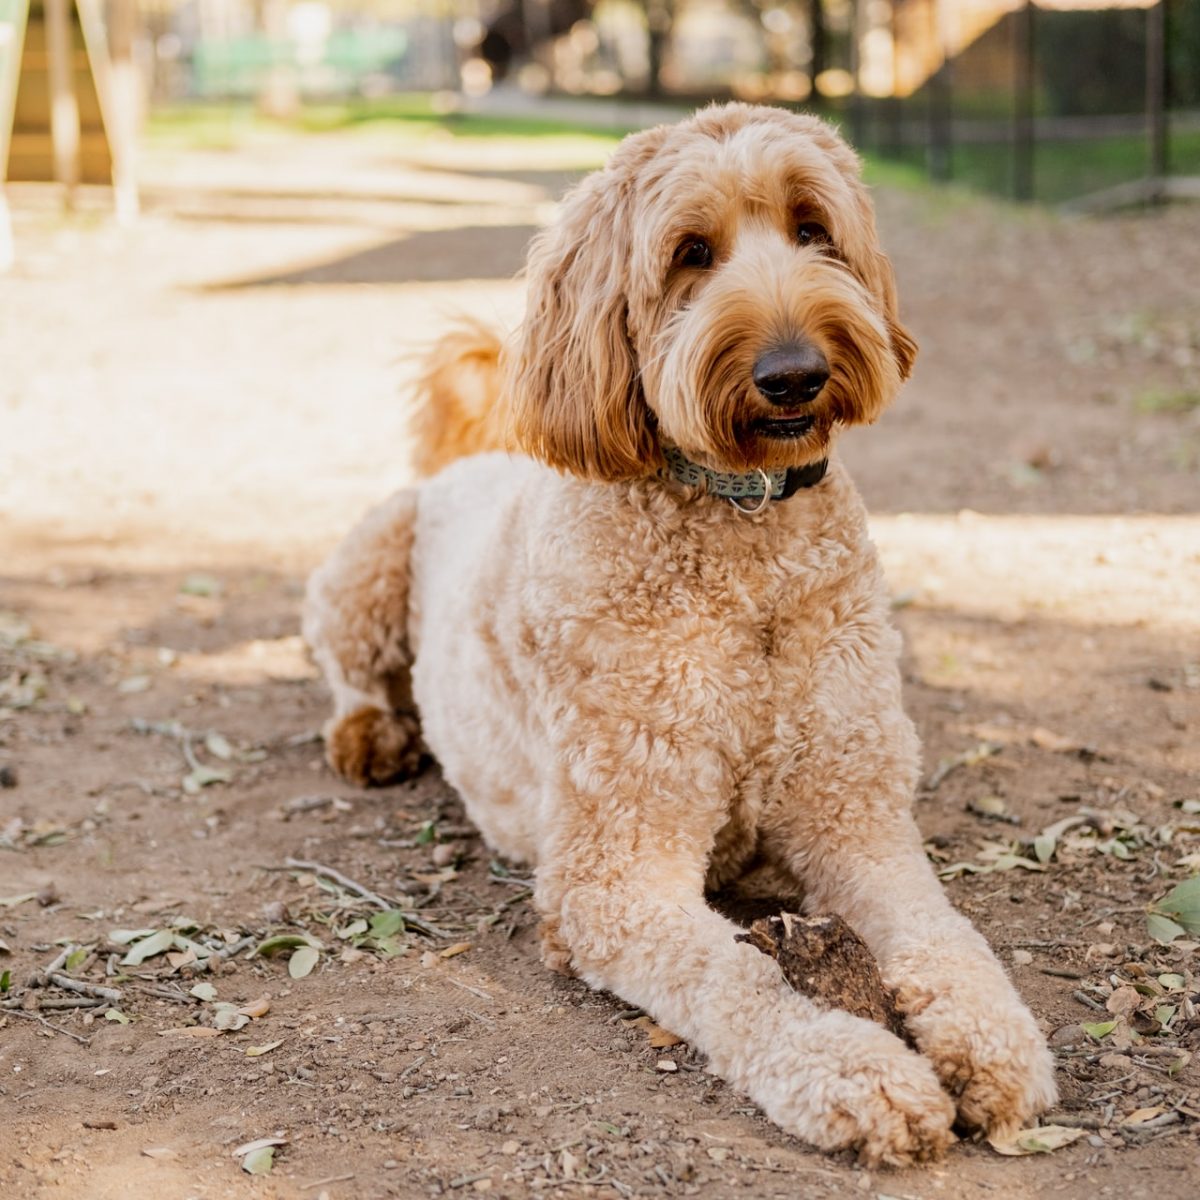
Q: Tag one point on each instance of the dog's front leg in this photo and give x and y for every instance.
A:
(846, 830)
(626, 907)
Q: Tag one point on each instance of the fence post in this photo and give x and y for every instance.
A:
(1024, 78)
(1156, 99)
(940, 136)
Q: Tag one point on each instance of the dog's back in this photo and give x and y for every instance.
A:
(459, 408)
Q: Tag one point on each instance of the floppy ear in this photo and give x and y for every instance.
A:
(576, 397)
(874, 268)
(883, 284)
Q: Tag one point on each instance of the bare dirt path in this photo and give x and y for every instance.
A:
(190, 413)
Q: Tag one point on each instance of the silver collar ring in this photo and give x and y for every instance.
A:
(766, 499)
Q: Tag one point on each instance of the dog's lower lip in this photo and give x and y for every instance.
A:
(784, 427)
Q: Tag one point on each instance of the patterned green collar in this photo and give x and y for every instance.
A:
(737, 487)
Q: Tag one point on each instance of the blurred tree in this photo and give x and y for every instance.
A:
(660, 16)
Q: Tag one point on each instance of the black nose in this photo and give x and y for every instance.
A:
(791, 375)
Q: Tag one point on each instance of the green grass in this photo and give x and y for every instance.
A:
(414, 116)
(1168, 400)
(1068, 170)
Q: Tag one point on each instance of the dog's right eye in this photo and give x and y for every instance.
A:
(695, 252)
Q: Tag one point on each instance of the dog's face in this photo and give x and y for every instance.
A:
(718, 286)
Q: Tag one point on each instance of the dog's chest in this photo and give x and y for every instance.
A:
(780, 651)
(742, 644)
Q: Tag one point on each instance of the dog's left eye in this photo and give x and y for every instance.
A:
(811, 233)
(695, 252)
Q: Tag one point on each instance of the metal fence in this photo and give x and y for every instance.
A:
(1061, 102)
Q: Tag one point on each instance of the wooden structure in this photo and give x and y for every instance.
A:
(12, 39)
(69, 97)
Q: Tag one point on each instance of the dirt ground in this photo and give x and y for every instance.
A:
(192, 410)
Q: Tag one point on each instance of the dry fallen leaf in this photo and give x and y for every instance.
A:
(302, 961)
(666, 1064)
(569, 1164)
(1045, 739)
(256, 1008)
(436, 879)
(260, 1161)
(1142, 1115)
(1039, 1140)
(228, 1019)
(452, 951)
(191, 1031)
(258, 1144)
(255, 1051)
(159, 1152)
(658, 1037)
(1124, 1001)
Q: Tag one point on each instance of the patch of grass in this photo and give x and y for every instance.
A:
(413, 116)
(1067, 170)
(1168, 400)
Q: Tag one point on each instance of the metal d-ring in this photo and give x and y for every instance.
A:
(750, 512)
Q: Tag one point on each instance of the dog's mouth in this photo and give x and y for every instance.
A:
(784, 428)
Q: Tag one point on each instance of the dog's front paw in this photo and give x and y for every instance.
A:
(862, 1089)
(987, 1051)
(894, 1113)
(371, 746)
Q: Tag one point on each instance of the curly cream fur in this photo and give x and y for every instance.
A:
(646, 693)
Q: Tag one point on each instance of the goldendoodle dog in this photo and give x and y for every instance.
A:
(653, 651)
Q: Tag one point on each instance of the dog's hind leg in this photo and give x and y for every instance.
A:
(355, 621)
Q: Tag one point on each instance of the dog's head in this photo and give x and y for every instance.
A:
(718, 285)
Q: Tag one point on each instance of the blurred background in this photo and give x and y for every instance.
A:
(232, 226)
(1054, 101)
(230, 229)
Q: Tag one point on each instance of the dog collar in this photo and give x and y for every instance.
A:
(763, 486)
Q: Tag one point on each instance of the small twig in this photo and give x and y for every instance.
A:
(241, 944)
(32, 1016)
(166, 993)
(1087, 1001)
(307, 738)
(57, 1002)
(84, 989)
(628, 1014)
(189, 755)
(415, 1065)
(316, 1183)
(344, 881)
(1062, 972)
(1074, 1120)
(351, 885)
(1046, 944)
(303, 804)
(463, 1180)
(466, 987)
(519, 898)
(60, 961)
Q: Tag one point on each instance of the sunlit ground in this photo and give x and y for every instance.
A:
(233, 371)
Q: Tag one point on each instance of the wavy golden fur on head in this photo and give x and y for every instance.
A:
(623, 344)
